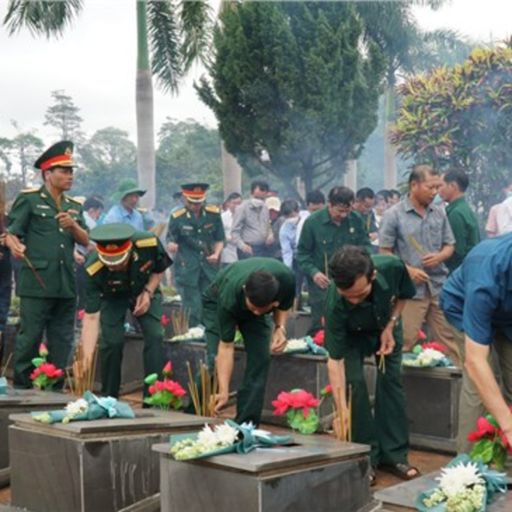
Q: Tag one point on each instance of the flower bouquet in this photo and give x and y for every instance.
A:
(165, 394)
(45, 375)
(192, 334)
(298, 406)
(464, 486)
(491, 444)
(3, 386)
(427, 355)
(228, 437)
(89, 407)
(303, 345)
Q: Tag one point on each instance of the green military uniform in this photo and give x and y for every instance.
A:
(464, 224)
(47, 304)
(320, 238)
(195, 237)
(352, 333)
(225, 310)
(112, 293)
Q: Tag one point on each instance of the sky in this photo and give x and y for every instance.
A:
(94, 62)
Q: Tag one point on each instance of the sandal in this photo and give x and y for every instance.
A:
(402, 470)
(372, 477)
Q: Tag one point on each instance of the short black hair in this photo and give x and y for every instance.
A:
(315, 197)
(233, 195)
(289, 206)
(384, 194)
(459, 177)
(262, 185)
(261, 288)
(341, 195)
(365, 193)
(348, 264)
(419, 173)
(394, 192)
(92, 202)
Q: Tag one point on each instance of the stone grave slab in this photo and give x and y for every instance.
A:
(402, 496)
(21, 401)
(319, 473)
(433, 423)
(89, 466)
(298, 324)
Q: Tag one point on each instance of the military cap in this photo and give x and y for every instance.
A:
(195, 192)
(113, 242)
(58, 155)
(127, 187)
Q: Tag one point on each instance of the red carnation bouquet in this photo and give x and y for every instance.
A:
(299, 407)
(491, 444)
(45, 375)
(165, 394)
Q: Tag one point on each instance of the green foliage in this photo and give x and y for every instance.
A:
(299, 422)
(187, 152)
(294, 87)
(63, 115)
(107, 158)
(461, 117)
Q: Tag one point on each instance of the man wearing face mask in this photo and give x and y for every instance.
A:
(44, 225)
(419, 233)
(242, 296)
(363, 308)
(324, 232)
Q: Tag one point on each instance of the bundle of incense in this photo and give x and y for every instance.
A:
(4, 369)
(345, 431)
(350, 413)
(417, 246)
(180, 321)
(203, 399)
(84, 371)
(192, 387)
(326, 265)
(382, 363)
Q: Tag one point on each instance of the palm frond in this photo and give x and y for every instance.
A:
(48, 18)
(196, 29)
(164, 38)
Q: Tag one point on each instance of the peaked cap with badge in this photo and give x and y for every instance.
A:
(195, 192)
(113, 242)
(58, 155)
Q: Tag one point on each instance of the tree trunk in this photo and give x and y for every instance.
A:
(350, 177)
(231, 172)
(144, 109)
(390, 178)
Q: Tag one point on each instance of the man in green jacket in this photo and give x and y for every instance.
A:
(44, 225)
(363, 308)
(241, 296)
(323, 233)
(461, 217)
(123, 273)
(195, 237)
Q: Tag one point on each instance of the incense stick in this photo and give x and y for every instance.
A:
(382, 363)
(350, 413)
(35, 272)
(4, 369)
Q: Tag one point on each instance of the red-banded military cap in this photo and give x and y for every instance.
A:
(58, 155)
(195, 192)
(113, 242)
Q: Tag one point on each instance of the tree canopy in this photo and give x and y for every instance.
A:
(294, 87)
(462, 117)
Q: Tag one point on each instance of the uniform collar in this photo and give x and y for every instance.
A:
(409, 207)
(47, 198)
(457, 202)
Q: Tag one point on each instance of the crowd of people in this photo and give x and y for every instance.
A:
(377, 268)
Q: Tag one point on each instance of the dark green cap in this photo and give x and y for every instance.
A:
(58, 155)
(113, 242)
(125, 188)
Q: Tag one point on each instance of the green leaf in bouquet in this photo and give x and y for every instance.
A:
(38, 361)
(151, 379)
(490, 418)
(483, 451)
(298, 421)
(499, 456)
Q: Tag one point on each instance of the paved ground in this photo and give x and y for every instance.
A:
(424, 461)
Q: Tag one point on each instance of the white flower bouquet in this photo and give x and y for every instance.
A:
(464, 486)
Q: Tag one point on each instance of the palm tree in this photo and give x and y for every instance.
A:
(170, 37)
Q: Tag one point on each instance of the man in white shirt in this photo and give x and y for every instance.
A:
(229, 254)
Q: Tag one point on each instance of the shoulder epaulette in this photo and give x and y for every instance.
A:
(69, 198)
(179, 213)
(146, 242)
(211, 208)
(30, 190)
(93, 268)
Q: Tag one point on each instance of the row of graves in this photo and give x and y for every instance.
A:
(75, 451)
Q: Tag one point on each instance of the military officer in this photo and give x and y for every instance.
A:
(323, 233)
(123, 273)
(44, 225)
(363, 308)
(195, 238)
(241, 296)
